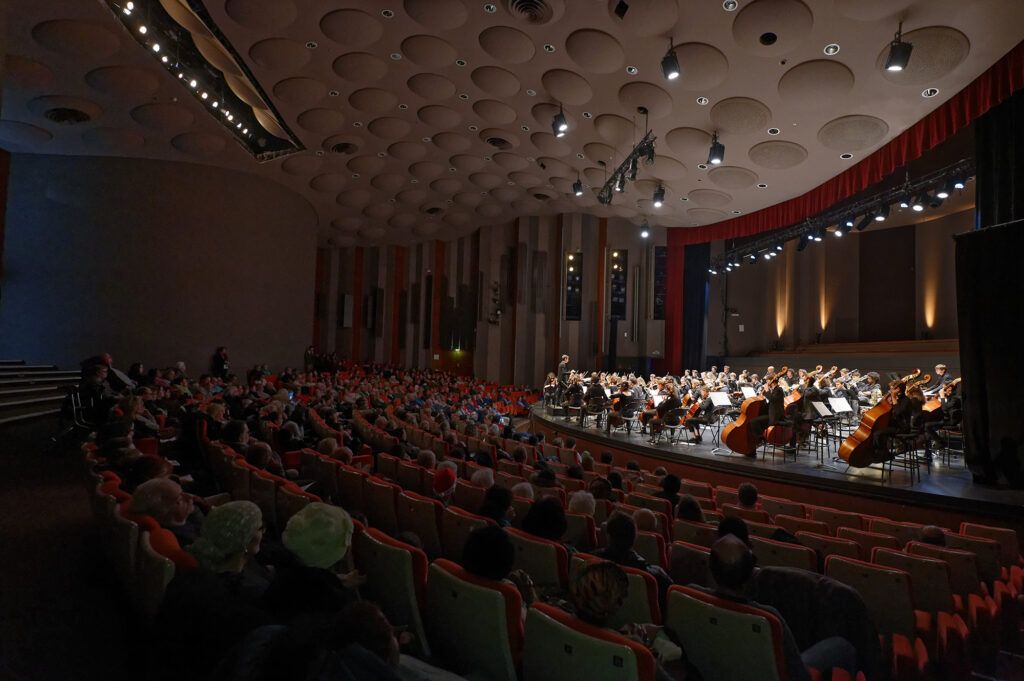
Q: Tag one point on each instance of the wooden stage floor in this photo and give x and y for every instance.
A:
(944, 495)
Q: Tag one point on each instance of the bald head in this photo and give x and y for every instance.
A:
(732, 563)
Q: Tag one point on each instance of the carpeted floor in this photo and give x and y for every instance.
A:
(61, 614)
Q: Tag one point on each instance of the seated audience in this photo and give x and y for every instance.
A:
(164, 501)
(523, 490)
(482, 477)
(689, 509)
(670, 486)
(747, 495)
(582, 502)
(497, 506)
(546, 519)
(444, 482)
(645, 520)
(620, 530)
(930, 534)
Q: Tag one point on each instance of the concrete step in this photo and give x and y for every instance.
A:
(11, 362)
(16, 372)
(6, 419)
(32, 390)
(29, 402)
(14, 382)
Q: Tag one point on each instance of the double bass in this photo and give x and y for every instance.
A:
(935, 403)
(739, 436)
(858, 450)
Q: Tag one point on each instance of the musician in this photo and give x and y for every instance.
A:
(574, 392)
(563, 377)
(595, 390)
(776, 408)
(942, 378)
(870, 391)
(650, 411)
(701, 414)
(947, 417)
(620, 399)
(551, 389)
(906, 407)
(661, 417)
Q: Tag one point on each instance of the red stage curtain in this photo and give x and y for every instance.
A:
(989, 89)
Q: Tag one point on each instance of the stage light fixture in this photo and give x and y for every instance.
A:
(904, 204)
(717, 152)
(728, 269)
(778, 247)
(935, 201)
(559, 125)
(620, 184)
(899, 52)
(577, 187)
(712, 271)
(864, 222)
(768, 255)
(816, 236)
(882, 214)
(958, 184)
(659, 196)
(838, 232)
(644, 234)
(631, 175)
(943, 192)
(918, 204)
(802, 243)
(670, 63)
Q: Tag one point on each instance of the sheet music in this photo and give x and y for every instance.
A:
(820, 408)
(658, 399)
(608, 393)
(721, 399)
(748, 391)
(840, 405)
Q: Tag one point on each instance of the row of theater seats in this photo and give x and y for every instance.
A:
(391, 509)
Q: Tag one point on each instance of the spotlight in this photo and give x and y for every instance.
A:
(918, 204)
(143, 29)
(768, 255)
(644, 234)
(899, 52)
(192, 83)
(943, 192)
(717, 152)
(778, 247)
(712, 271)
(577, 187)
(882, 214)
(156, 47)
(728, 269)
(572, 257)
(215, 105)
(620, 184)
(559, 125)
(904, 204)
(849, 222)
(659, 196)
(816, 236)
(864, 222)
(958, 184)
(204, 95)
(670, 63)
(753, 258)
(245, 131)
(838, 233)
(935, 201)
(164, 59)
(129, 6)
(802, 243)
(632, 169)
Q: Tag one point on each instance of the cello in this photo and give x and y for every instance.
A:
(858, 450)
(739, 436)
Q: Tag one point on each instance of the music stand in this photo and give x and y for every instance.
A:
(748, 392)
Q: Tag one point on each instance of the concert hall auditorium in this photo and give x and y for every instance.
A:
(524, 340)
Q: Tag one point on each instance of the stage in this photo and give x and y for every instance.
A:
(944, 495)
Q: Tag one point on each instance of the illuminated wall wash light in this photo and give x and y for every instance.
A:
(782, 275)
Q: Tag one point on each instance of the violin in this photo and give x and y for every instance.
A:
(858, 449)
(739, 436)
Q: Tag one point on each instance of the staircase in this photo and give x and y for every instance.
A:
(29, 391)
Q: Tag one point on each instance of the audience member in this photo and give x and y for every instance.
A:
(689, 509)
(582, 502)
(747, 495)
(546, 519)
(164, 501)
(482, 477)
(737, 527)
(497, 506)
(930, 534)
(670, 485)
(523, 490)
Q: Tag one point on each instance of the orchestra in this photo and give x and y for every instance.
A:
(914, 411)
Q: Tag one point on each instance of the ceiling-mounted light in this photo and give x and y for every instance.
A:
(558, 124)
(767, 255)
(645, 230)
(717, 152)
(904, 203)
(156, 47)
(620, 184)
(958, 184)
(728, 268)
(143, 29)
(849, 222)
(935, 201)
(899, 52)
(943, 192)
(659, 196)
(864, 222)
(577, 187)
(882, 214)
(816, 236)
(918, 204)
(670, 63)
(778, 247)
(712, 271)
(631, 174)
(838, 231)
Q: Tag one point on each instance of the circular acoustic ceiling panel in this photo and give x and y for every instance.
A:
(495, 81)
(595, 177)
(441, 15)
(494, 112)
(389, 182)
(379, 211)
(365, 165)
(214, 53)
(499, 139)
(354, 198)
(301, 164)
(262, 15)
(872, 10)
(343, 145)
(937, 51)
(389, 128)
(373, 233)
(65, 110)
(439, 117)
(772, 27)
(704, 216)
(466, 163)
(403, 220)
(595, 51)
(567, 87)
(853, 133)
(525, 179)
(27, 73)
(689, 143)
(506, 194)
(407, 151)
(618, 130)
(458, 218)
(125, 82)
(486, 180)
(638, 93)
(199, 144)
(349, 223)
(554, 166)
(360, 67)
(507, 45)
(300, 91)
(647, 18)
(430, 86)
(163, 117)
(777, 154)
(426, 170)
(470, 199)
(373, 100)
(510, 161)
(738, 115)
(732, 177)
(119, 139)
(428, 51)
(328, 182)
(446, 186)
(320, 120)
(664, 168)
(351, 27)
(548, 144)
(76, 39)
(19, 134)
(278, 54)
(490, 210)
(412, 197)
(709, 198)
(426, 228)
(451, 142)
(598, 152)
(821, 80)
(704, 67)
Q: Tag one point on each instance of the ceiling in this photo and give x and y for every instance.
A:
(417, 94)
